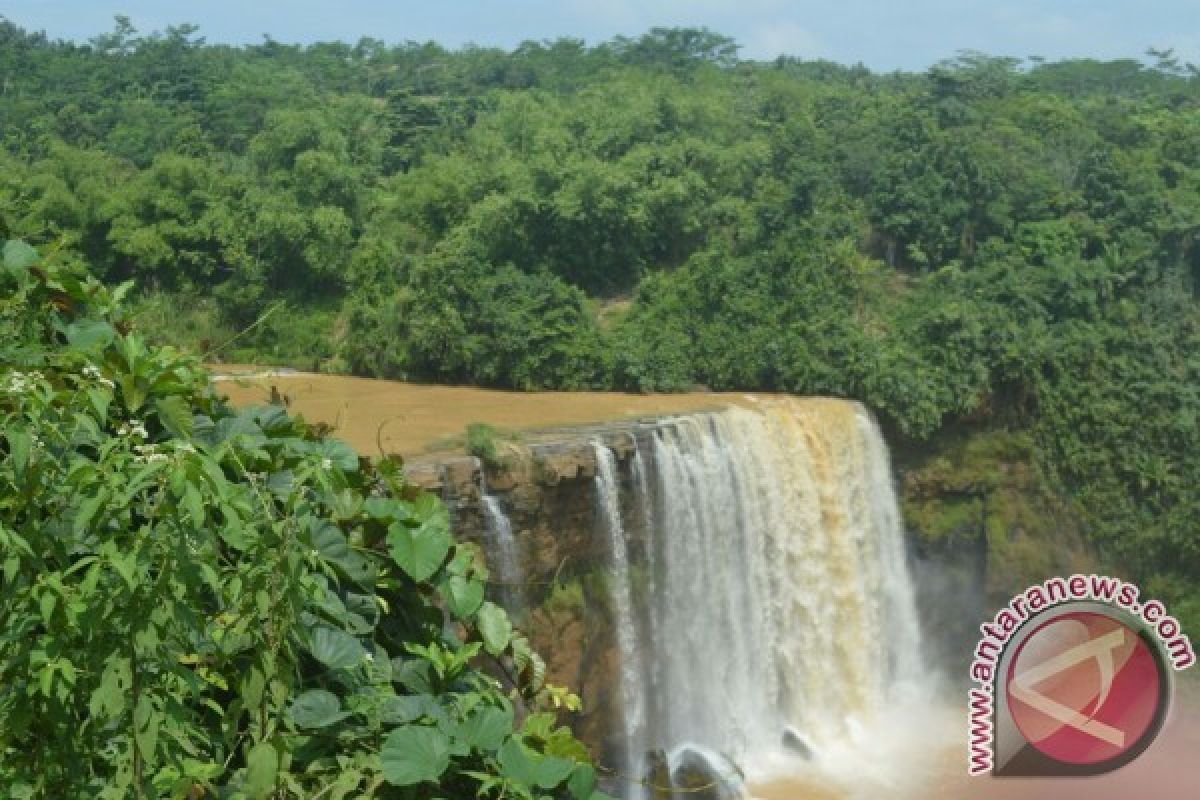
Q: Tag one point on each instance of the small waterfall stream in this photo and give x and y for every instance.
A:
(631, 652)
(503, 549)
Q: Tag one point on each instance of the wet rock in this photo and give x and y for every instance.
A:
(796, 744)
(427, 475)
(460, 475)
(621, 443)
(658, 776)
(511, 470)
(706, 775)
(560, 462)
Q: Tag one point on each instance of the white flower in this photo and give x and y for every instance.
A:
(368, 657)
(20, 382)
(134, 428)
(185, 447)
(326, 463)
(105, 382)
(91, 371)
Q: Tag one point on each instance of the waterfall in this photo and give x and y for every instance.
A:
(621, 594)
(778, 599)
(503, 551)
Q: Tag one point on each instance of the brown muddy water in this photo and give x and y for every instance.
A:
(410, 419)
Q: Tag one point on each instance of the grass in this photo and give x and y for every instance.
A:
(304, 338)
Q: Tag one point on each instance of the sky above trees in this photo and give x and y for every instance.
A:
(883, 34)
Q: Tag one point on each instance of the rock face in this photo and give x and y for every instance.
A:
(983, 524)
(545, 487)
(795, 743)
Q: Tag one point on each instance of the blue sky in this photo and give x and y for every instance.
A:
(883, 34)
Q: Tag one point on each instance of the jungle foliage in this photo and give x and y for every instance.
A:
(203, 603)
(994, 242)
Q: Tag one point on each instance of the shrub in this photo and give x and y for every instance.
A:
(197, 602)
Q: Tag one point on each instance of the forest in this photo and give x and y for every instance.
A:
(994, 244)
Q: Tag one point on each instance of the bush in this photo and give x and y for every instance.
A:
(198, 602)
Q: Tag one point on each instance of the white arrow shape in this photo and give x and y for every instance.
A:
(1100, 649)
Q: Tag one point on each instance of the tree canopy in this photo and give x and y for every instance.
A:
(993, 242)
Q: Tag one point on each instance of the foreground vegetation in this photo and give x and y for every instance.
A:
(201, 603)
(995, 245)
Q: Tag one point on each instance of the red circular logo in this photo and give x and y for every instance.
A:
(1084, 688)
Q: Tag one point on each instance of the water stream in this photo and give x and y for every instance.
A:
(779, 598)
(503, 551)
(630, 650)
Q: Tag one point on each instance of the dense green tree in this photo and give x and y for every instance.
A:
(993, 242)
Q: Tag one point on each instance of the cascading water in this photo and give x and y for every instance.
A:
(779, 600)
(503, 550)
(633, 694)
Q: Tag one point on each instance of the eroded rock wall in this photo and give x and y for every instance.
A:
(546, 488)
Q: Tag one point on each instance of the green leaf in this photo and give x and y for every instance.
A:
(89, 334)
(328, 540)
(463, 596)
(133, 392)
(420, 551)
(527, 767)
(122, 289)
(341, 454)
(386, 508)
(414, 754)
(46, 604)
(495, 628)
(146, 721)
(346, 783)
(110, 697)
(582, 782)
(193, 504)
(18, 255)
(413, 674)
(550, 771)
(336, 649)
(317, 708)
(19, 444)
(516, 763)
(233, 532)
(87, 510)
(426, 507)
(399, 709)
(262, 769)
(100, 400)
(175, 414)
(485, 728)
